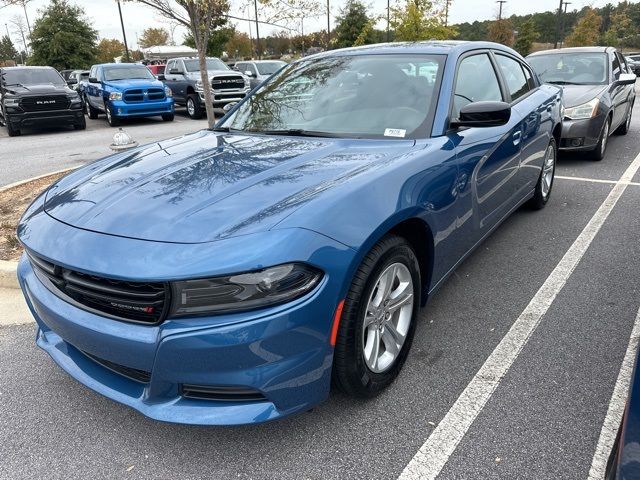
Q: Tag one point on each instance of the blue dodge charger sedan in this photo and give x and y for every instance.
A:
(233, 275)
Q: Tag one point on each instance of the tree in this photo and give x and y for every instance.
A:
(153, 36)
(7, 50)
(109, 49)
(62, 37)
(586, 31)
(526, 36)
(218, 39)
(420, 20)
(351, 21)
(620, 29)
(239, 45)
(501, 31)
(200, 17)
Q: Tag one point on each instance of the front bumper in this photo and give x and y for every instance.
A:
(221, 98)
(142, 109)
(20, 119)
(581, 135)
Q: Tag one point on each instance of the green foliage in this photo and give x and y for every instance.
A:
(108, 49)
(527, 34)
(239, 45)
(218, 39)
(62, 37)
(586, 31)
(620, 31)
(420, 20)
(152, 37)
(350, 23)
(7, 50)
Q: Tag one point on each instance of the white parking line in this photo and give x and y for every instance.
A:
(616, 407)
(435, 452)
(594, 180)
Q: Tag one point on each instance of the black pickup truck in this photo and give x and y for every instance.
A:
(37, 96)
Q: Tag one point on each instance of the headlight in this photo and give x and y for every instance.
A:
(168, 92)
(586, 110)
(243, 291)
(199, 86)
(11, 102)
(115, 96)
(75, 98)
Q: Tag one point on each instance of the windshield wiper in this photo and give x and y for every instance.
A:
(563, 82)
(298, 132)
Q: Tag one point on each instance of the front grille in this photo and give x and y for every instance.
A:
(137, 95)
(140, 302)
(45, 103)
(141, 376)
(227, 83)
(222, 393)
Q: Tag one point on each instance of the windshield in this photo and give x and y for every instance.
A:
(212, 64)
(128, 73)
(571, 68)
(368, 96)
(32, 76)
(269, 68)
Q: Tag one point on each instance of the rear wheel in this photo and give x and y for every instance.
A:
(168, 117)
(194, 108)
(599, 152)
(378, 319)
(545, 181)
(113, 120)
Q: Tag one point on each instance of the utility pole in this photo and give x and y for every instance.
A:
(388, 19)
(24, 6)
(562, 24)
(328, 26)
(500, 12)
(124, 35)
(255, 6)
(558, 18)
(446, 12)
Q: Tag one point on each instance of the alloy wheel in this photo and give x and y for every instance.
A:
(191, 108)
(605, 138)
(547, 170)
(388, 317)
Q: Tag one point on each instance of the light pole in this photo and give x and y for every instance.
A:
(446, 12)
(500, 12)
(255, 6)
(388, 19)
(124, 35)
(328, 26)
(562, 20)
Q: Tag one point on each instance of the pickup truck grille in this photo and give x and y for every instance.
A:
(138, 302)
(137, 95)
(45, 103)
(233, 82)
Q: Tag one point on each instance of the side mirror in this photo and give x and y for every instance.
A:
(626, 79)
(249, 73)
(72, 81)
(93, 80)
(483, 114)
(160, 76)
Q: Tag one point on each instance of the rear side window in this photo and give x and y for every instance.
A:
(476, 81)
(517, 83)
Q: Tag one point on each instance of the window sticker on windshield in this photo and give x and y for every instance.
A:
(394, 132)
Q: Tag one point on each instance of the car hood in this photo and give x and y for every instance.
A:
(208, 186)
(40, 89)
(574, 95)
(134, 83)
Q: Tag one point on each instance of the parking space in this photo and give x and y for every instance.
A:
(543, 419)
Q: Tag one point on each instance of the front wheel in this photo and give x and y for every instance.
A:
(81, 125)
(112, 119)
(601, 148)
(93, 112)
(624, 128)
(545, 181)
(194, 108)
(378, 319)
(167, 117)
(11, 130)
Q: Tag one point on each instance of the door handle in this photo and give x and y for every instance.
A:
(516, 137)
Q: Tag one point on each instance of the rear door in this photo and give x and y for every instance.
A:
(488, 157)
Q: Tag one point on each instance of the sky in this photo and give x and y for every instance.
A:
(104, 14)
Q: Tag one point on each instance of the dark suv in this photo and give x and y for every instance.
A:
(37, 96)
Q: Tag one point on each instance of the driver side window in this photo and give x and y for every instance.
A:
(476, 81)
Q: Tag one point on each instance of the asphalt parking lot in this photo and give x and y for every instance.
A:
(545, 406)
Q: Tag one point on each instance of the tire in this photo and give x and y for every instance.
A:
(93, 112)
(354, 352)
(600, 151)
(194, 108)
(13, 132)
(112, 119)
(167, 117)
(545, 180)
(81, 125)
(624, 128)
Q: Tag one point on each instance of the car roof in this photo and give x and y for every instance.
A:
(119, 65)
(573, 50)
(442, 47)
(42, 67)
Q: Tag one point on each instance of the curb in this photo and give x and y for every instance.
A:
(8, 275)
(22, 182)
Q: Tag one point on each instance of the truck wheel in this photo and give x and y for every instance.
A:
(167, 117)
(194, 109)
(113, 120)
(13, 132)
(81, 125)
(93, 112)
